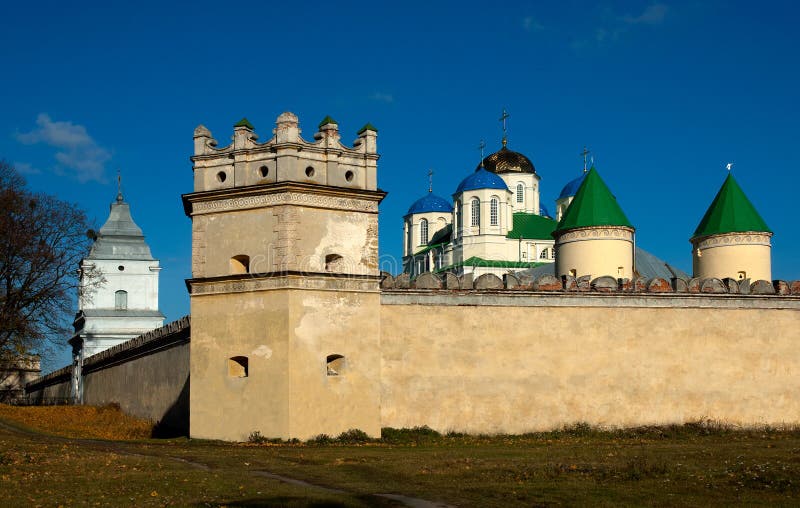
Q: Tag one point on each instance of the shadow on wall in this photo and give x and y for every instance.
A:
(175, 422)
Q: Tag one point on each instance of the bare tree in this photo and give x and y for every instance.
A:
(42, 240)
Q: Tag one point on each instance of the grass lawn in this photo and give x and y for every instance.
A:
(690, 465)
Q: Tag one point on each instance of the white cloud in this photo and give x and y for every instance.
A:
(653, 14)
(78, 153)
(613, 27)
(530, 24)
(26, 169)
(382, 97)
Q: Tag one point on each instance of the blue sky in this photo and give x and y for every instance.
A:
(664, 94)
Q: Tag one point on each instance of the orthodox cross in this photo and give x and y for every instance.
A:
(503, 119)
(481, 146)
(430, 180)
(584, 153)
(119, 186)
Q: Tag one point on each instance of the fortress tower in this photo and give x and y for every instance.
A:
(732, 240)
(284, 292)
(594, 237)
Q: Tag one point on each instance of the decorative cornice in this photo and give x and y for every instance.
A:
(728, 239)
(595, 233)
(272, 147)
(284, 280)
(282, 193)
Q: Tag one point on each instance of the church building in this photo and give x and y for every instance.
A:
(493, 223)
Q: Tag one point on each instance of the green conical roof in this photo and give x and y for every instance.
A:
(593, 205)
(244, 122)
(730, 212)
(326, 121)
(367, 127)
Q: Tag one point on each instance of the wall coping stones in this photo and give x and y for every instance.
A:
(605, 284)
(387, 282)
(402, 281)
(658, 285)
(712, 285)
(732, 285)
(176, 332)
(590, 299)
(451, 281)
(680, 285)
(510, 281)
(547, 283)
(781, 287)
(428, 280)
(762, 287)
(488, 281)
(449, 284)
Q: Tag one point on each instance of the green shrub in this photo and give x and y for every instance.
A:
(413, 435)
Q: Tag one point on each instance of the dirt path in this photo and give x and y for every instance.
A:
(134, 449)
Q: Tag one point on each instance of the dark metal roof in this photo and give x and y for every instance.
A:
(508, 161)
(647, 265)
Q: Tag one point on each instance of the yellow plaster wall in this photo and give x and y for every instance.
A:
(252, 324)
(516, 369)
(594, 256)
(325, 323)
(728, 260)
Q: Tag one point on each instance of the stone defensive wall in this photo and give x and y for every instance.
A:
(148, 376)
(516, 355)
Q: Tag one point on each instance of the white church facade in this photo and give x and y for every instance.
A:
(118, 295)
(494, 223)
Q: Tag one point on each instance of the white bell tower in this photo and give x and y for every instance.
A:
(119, 289)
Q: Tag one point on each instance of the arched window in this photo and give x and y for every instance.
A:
(335, 365)
(552, 253)
(520, 193)
(121, 300)
(494, 212)
(457, 212)
(476, 212)
(240, 264)
(544, 254)
(238, 366)
(423, 232)
(334, 263)
(409, 244)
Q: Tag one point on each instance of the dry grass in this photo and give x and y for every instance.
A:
(697, 464)
(85, 422)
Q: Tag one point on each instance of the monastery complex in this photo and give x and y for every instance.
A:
(506, 319)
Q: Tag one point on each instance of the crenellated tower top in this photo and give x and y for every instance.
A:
(286, 157)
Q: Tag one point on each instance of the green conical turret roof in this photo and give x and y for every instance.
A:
(593, 205)
(730, 212)
(244, 122)
(326, 121)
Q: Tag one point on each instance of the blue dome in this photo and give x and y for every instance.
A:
(481, 179)
(572, 187)
(544, 212)
(430, 203)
